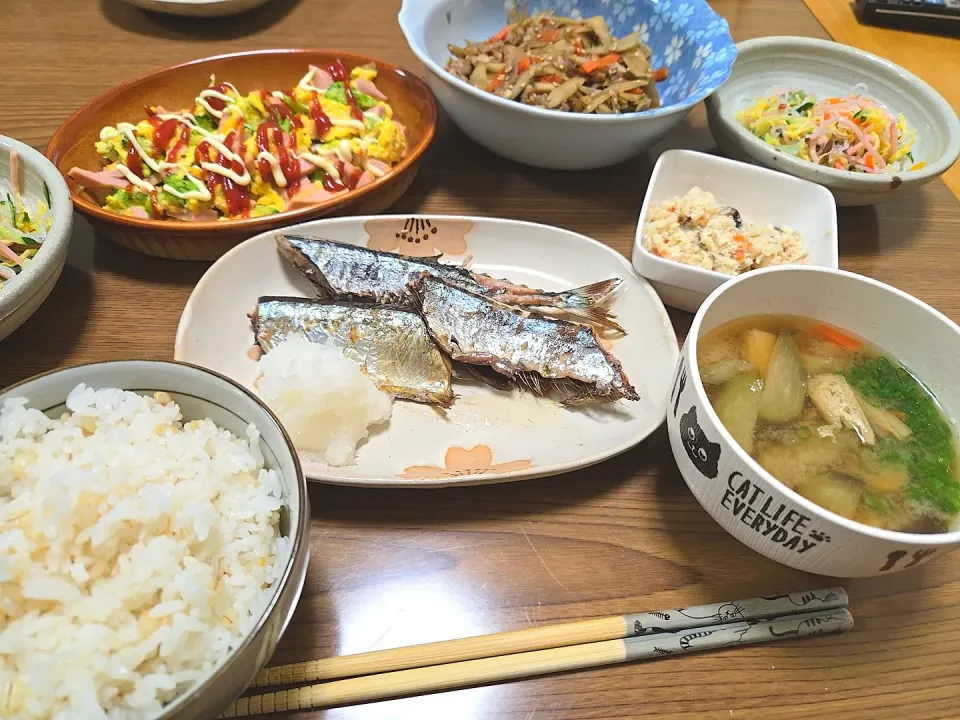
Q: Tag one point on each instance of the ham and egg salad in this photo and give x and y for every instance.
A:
(236, 156)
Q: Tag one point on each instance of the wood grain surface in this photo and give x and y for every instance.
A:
(396, 567)
(934, 58)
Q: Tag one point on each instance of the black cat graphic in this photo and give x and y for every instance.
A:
(702, 453)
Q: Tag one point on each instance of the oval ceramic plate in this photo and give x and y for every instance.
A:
(176, 87)
(487, 435)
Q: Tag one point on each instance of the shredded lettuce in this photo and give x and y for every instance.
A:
(337, 93)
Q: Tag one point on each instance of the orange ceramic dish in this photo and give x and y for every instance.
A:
(73, 145)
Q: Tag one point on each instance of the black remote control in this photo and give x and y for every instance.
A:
(934, 16)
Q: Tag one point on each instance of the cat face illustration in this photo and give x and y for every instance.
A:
(702, 453)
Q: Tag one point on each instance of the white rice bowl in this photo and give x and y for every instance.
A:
(135, 554)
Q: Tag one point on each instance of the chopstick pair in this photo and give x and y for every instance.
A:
(537, 651)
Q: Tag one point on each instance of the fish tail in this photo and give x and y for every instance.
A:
(584, 302)
(597, 316)
(589, 295)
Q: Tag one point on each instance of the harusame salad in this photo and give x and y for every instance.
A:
(232, 155)
(22, 225)
(854, 133)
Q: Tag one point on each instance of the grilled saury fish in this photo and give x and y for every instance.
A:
(344, 271)
(391, 345)
(535, 351)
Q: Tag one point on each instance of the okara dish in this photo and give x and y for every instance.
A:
(562, 63)
(233, 156)
(835, 419)
(697, 230)
(251, 179)
(854, 133)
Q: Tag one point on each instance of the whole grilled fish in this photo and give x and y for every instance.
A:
(535, 351)
(341, 270)
(391, 345)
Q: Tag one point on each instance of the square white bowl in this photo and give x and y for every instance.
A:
(762, 196)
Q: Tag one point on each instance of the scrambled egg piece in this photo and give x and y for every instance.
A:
(390, 144)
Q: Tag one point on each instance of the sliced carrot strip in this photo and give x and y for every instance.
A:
(837, 336)
(593, 65)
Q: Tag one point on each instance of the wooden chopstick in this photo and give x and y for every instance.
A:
(540, 662)
(549, 636)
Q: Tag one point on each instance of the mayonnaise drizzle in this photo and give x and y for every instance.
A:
(348, 122)
(211, 93)
(201, 193)
(344, 152)
(230, 155)
(134, 180)
(278, 177)
(304, 83)
(321, 162)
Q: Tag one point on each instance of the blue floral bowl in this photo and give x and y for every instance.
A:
(686, 36)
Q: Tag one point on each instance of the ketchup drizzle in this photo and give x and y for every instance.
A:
(338, 72)
(289, 162)
(237, 197)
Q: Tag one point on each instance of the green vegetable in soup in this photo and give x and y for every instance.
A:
(785, 386)
(737, 405)
(929, 453)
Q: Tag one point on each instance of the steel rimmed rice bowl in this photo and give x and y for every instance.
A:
(201, 393)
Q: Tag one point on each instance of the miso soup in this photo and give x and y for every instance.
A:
(836, 419)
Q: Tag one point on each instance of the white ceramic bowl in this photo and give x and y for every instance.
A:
(198, 8)
(689, 39)
(20, 297)
(762, 197)
(744, 498)
(202, 394)
(829, 68)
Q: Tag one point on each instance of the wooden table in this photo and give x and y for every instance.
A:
(396, 567)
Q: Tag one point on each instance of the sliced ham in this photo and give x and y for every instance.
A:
(15, 172)
(351, 174)
(310, 194)
(193, 215)
(138, 212)
(306, 168)
(365, 179)
(376, 110)
(319, 78)
(378, 165)
(368, 88)
(94, 180)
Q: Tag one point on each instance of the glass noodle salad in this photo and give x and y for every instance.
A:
(22, 225)
(854, 133)
(236, 155)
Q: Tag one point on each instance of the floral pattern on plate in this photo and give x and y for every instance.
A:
(418, 237)
(459, 462)
(687, 37)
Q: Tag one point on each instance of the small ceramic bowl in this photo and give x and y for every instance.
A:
(21, 296)
(749, 502)
(176, 87)
(203, 394)
(762, 196)
(689, 39)
(827, 68)
(198, 8)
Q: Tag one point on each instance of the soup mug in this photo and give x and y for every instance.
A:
(749, 502)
